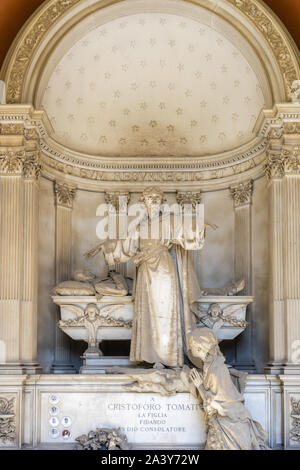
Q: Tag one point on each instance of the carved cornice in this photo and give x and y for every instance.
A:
(242, 193)
(188, 197)
(65, 194)
(117, 200)
(7, 419)
(258, 15)
(11, 129)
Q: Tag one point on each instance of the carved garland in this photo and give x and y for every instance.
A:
(7, 420)
(295, 415)
(56, 9)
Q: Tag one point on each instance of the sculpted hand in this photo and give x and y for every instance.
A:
(196, 378)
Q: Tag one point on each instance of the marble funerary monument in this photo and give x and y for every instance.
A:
(133, 114)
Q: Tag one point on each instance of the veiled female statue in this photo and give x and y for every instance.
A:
(229, 423)
(166, 287)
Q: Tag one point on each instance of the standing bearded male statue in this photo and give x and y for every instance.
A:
(166, 287)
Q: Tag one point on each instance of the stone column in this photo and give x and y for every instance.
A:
(64, 197)
(242, 198)
(19, 172)
(283, 173)
(117, 203)
(291, 250)
(274, 173)
(190, 198)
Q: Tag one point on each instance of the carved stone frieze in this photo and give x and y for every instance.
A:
(7, 419)
(242, 193)
(65, 194)
(11, 129)
(295, 415)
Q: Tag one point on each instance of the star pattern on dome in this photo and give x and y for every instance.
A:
(153, 83)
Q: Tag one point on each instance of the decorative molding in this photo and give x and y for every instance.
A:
(7, 419)
(188, 197)
(242, 193)
(258, 15)
(117, 200)
(295, 415)
(65, 194)
(11, 129)
(29, 44)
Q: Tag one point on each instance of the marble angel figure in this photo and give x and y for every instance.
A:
(229, 423)
(161, 319)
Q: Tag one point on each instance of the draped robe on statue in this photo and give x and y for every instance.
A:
(160, 325)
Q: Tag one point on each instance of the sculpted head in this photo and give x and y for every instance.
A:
(153, 198)
(214, 310)
(91, 312)
(202, 342)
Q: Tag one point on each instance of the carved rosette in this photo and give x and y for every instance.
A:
(65, 194)
(117, 201)
(242, 193)
(7, 419)
(188, 198)
(295, 415)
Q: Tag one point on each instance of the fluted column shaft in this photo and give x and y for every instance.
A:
(242, 197)
(63, 268)
(19, 172)
(283, 172)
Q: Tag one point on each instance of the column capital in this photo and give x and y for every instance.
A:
(242, 193)
(188, 197)
(65, 194)
(117, 200)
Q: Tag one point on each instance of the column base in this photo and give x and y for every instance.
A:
(12, 368)
(245, 367)
(102, 364)
(274, 368)
(63, 369)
